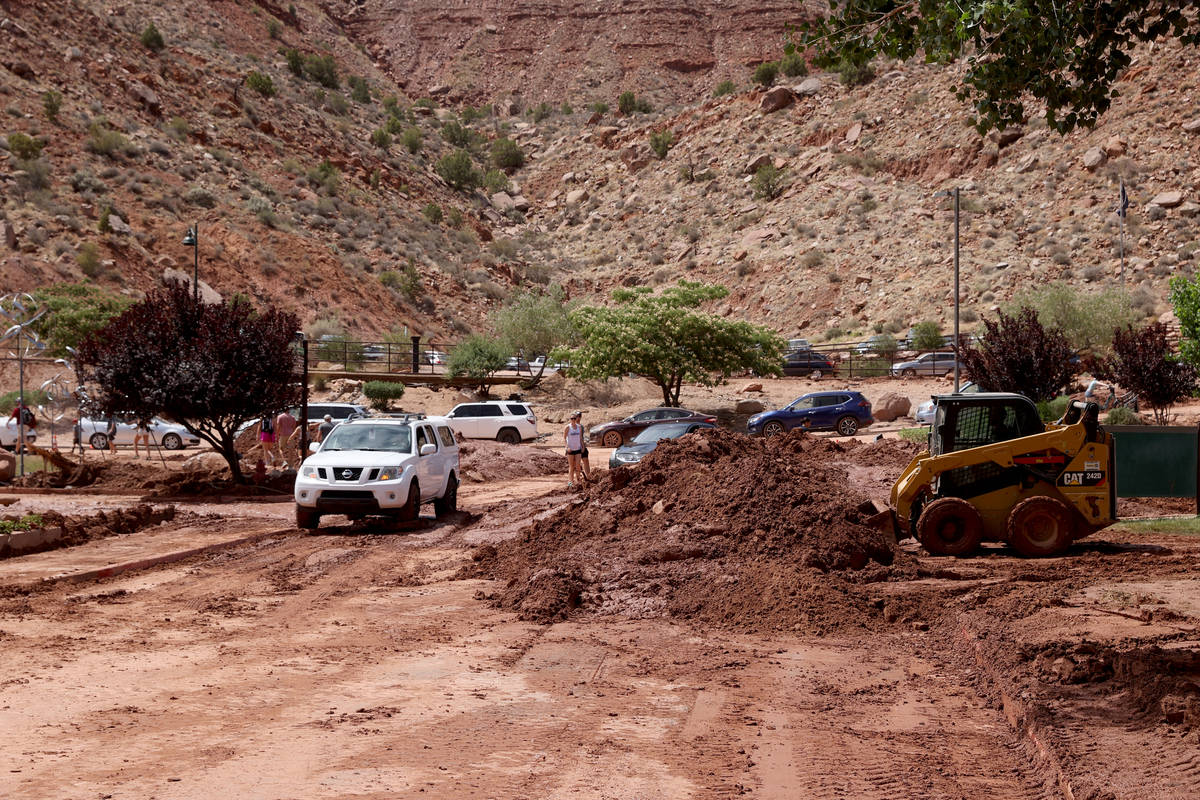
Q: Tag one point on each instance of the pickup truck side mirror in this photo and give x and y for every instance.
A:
(314, 447)
(428, 449)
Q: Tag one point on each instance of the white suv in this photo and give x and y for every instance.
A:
(503, 420)
(379, 466)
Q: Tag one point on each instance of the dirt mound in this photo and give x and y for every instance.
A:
(84, 528)
(217, 483)
(482, 461)
(721, 528)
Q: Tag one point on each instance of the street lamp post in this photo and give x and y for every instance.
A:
(192, 239)
(21, 309)
(954, 194)
(303, 399)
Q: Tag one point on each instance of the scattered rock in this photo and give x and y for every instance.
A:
(119, 226)
(751, 387)
(502, 202)
(776, 98)
(1115, 146)
(808, 87)
(520, 203)
(740, 254)
(749, 407)
(1188, 210)
(577, 196)
(146, 96)
(760, 160)
(208, 461)
(440, 89)
(604, 134)
(1167, 199)
(1094, 158)
(1192, 126)
(889, 406)
(20, 69)
(853, 133)
(1007, 136)
(1026, 164)
(74, 54)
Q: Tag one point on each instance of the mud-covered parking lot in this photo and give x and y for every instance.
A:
(717, 623)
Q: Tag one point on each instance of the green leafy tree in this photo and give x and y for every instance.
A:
(507, 154)
(1143, 362)
(1185, 297)
(535, 322)
(1018, 354)
(1067, 55)
(211, 367)
(884, 345)
(667, 339)
(926, 336)
(73, 312)
(1086, 319)
(459, 171)
(478, 357)
(661, 142)
(382, 393)
(766, 73)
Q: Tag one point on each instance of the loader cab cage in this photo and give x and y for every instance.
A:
(966, 421)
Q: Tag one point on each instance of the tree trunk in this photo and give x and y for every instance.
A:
(230, 454)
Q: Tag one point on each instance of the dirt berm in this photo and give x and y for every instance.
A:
(719, 528)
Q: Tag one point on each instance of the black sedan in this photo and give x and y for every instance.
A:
(615, 434)
(648, 439)
(806, 362)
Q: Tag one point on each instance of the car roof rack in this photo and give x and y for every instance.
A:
(402, 416)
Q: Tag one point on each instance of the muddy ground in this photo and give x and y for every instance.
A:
(748, 638)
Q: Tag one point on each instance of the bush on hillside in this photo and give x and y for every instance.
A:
(152, 39)
(507, 154)
(459, 171)
(723, 88)
(25, 147)
(382, 393)
(411, 139)
(261, 83)
(793, 64)
(661, 142)
(766, 72)
(768, 182)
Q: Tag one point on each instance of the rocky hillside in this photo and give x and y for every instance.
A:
(313, 177)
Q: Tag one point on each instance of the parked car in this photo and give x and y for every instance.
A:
(434, 358)
(798, 344)
(928, 364)
(876, 345)
(842, 411)
(806, 362)
(615, 434)
(925, 411)
(379, 466)
(502, 420)
(10, 433)
(648, 439)
(517, 364)
(171, 435)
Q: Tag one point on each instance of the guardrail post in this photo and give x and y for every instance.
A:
(416, 354)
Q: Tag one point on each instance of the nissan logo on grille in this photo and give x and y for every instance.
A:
(347, 474)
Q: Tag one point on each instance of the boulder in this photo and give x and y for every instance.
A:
(1007, 136)
(502, 202)
(808, 87)
(520, 203)
(146, 96)
(751, 387)
(577, 196)
(749, 406)
(1167, 199)
(441, 88)
(889, 406)
(1192, 126)
(853, 133)
(1115, 146)
(8, 465)
(207, 293)
(760, 160)
(605, 133)
(1026, 164)
(119, 226)
(1188, 210)
(208, 461)
(776, 98)
(1094, 158)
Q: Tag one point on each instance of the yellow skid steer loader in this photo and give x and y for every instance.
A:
(994, 473)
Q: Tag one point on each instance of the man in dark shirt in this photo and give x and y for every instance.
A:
(325, 428)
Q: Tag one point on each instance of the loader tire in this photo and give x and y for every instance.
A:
(1040, 526)
(950, 527)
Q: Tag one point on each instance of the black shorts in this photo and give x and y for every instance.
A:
(575, 452)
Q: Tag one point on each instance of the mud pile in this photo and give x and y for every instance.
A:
(79, 529)
(483, 461)
(718, 528)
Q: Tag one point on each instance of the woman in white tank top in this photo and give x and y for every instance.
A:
(573, 437)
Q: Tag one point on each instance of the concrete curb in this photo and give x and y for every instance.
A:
(1018, 716)
(165, 558)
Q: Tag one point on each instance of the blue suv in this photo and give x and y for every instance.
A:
(844, 412)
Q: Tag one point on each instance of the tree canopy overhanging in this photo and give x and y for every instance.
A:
(1065, 54)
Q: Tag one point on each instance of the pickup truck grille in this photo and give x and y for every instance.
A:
(346, 473)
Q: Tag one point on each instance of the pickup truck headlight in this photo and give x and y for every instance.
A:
(390, 473)
(308, 472)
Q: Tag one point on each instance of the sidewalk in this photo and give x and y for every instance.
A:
(116, 554)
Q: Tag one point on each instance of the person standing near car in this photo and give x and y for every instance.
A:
(266, 439)
(141, 435)
(285, 430)
(573, 437)
(325, 428)
(111, 433)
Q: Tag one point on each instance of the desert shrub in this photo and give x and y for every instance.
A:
(600, 108)
(409, 282)
(1122, 416)
(507, 154)
(389, 278)
(274, 29)
(425, 102)
(382, 393)
(411, 139)
(199, 196)
(968, 315)
(926, 336)
(768, 182)
(661, 142)
(628, 103)
(152, 39)
(723, 88)
(52, 104)
(261, 83)
(381, 138)
(322, 70)
(337, 103)
(793, 64)
(495, 181)
(102, 223)
(458, 171)
(178, 128)
(25, 147)
(541, 111)
(1051, 410)
(813, 259)
(566, 110)
(262, 209)
(766, 72)
(325, 176)
(854, 74)
(295, 61)
(456, 133)
(88, 259)
(432, 212)
(360, 92)
(103, 140)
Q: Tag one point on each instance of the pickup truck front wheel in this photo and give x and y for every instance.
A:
(307, 520)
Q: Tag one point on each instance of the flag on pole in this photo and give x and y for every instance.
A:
(1123, 205)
